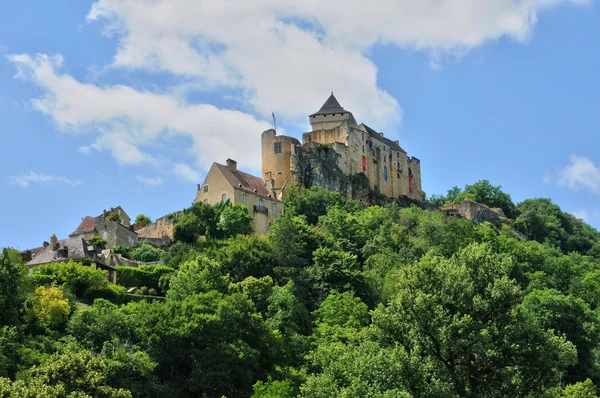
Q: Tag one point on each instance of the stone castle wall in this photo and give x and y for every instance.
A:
(161, 228)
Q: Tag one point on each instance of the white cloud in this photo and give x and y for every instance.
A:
(287, 54)
(589, 216)
(127, 122)
(150, 181)
(34, 178)
(187, 173)
(580, 174)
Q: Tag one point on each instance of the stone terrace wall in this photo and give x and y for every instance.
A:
(160, 229)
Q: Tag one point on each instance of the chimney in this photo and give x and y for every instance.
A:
(198, 187)
(231, 164)
(45, 244)
(381, 134)
(104, 212)
(53, 242)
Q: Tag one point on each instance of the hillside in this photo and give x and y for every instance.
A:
(336, 301)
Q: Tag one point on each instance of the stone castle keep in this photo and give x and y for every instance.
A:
(336, 149)
(338, 154)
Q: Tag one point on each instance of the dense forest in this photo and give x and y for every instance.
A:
(337, 301)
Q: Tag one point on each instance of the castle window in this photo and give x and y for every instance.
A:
(260, 204)
(205, 201)
(105, 235)
(363, 149)
(205, 188)
(277, 147)
(274, 208)
(224, 198)
(244, 199)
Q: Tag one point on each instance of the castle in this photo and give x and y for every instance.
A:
(338, 154)
(337, 148)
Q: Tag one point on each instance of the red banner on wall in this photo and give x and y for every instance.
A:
(364, 163)
(410, 184)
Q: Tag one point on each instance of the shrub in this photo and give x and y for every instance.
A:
(74, 276)
(145, 275)
(97, 242)
(113, 293)
(146, 253)
(125, 251)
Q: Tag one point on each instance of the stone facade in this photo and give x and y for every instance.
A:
(115, 234)
(225, 182)
(360, 149)
(159, 233)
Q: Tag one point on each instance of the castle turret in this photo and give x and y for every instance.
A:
(277, 151)
(330, 115)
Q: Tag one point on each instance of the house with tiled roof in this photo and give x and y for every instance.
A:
(64, 250)
(114, 232)
(226, 182)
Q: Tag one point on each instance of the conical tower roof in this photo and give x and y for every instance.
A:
(330, 106)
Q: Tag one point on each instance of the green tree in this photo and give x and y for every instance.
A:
(201, 275)
(48, 308)
(187, 229)
(474, 330)
(142, 217)
(147, 253)
(313, 203)
(97, 241)
(235, 220)
(12, 286)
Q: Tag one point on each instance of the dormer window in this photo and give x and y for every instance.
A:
(63, 252)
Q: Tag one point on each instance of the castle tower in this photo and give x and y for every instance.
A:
(330, 115)
(277, 151)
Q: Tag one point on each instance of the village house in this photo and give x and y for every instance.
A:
(115, 233)
(226, 182)
(64, 250)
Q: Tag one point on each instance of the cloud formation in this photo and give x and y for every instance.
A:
(26, 180)
(285, 54)
(126, 121)
(580, 174)
(272, 55)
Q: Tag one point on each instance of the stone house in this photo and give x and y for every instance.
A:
(358, 149)
(125, 219)
(64, 250)
(226, 182)
(115, 233)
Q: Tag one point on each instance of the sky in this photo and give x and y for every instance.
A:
(128, 102)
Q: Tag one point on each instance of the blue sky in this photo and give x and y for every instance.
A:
(128, 102)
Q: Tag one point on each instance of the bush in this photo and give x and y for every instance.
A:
(113, 293)
(147, 253)
(125, 251)
(145, 275)
(74, 276)
(98, 242)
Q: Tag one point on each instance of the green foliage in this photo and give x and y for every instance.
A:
(543, 221)
(48, 308)
(114, 216)
(481, 192)
(75, 277)
(98, 242)
(125, 251)
(147, 253)
(235, 220)
(12, 286)
(142, 217)
(197, 276)
(336, 301)
(313, 203)
(144, 275)
(113, 293)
